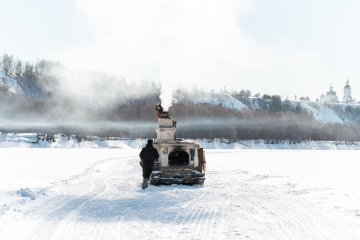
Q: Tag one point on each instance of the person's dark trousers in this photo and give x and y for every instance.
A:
(147, 172)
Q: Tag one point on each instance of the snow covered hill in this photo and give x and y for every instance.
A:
(319, 111)
(220, 99)
(327, 113)
(10, 81)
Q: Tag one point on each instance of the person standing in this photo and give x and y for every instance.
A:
(148, 155)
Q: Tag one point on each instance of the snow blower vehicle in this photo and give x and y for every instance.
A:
(180, 161)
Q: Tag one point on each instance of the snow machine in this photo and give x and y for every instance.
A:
(181, 161)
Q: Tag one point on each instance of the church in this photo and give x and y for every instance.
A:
(331, 97)
(347, 94)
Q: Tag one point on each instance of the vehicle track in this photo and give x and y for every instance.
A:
(282, 215)
(106, 202)
(74, 195)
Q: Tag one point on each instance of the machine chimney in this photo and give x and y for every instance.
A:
(166, 126)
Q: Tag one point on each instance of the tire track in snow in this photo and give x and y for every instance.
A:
(306, 220)
(198, 221)
(231, 205)
(60, 218)
(99, 226)
(50, 227)
(208, 223)
(70, 222)
(102, 227)
(58, 209)
(298, 221)
(213, 211)
(285, 216)
(256, 203)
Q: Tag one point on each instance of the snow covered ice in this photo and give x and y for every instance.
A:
(27, 193)
(95, 193)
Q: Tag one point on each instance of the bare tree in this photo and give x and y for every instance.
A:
(7, 63)
(43, 67)
(18, 67)
(29, 69)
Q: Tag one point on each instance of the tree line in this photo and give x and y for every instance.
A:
(211, 121)
(138, 119)
(40, 68)
(133, 115)
(35, 79)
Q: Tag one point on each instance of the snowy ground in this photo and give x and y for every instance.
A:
(30, 140)
(249, 194)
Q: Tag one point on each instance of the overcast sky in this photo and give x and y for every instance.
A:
(284, 47)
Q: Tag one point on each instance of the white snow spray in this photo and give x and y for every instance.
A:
(168, 80)
(168, 61)
(166, 98)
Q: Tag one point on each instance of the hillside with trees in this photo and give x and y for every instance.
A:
(48, 98)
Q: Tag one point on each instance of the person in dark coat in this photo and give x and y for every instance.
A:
(148, 155)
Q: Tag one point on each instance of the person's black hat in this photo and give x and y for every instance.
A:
(150, 141)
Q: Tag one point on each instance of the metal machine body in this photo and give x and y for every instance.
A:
(181, 161)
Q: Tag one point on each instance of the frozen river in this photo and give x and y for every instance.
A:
(248, 194)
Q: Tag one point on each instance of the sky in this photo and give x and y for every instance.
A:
(270, 47)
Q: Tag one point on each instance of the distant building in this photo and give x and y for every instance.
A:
(330, 96)
(347, 93)
(304, 99)
(245, 93)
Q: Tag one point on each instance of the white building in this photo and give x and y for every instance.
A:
(347, 94)
(330, 96)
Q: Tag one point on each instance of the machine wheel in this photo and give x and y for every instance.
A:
(154, 181)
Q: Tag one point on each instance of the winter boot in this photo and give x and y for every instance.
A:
(145, 183)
